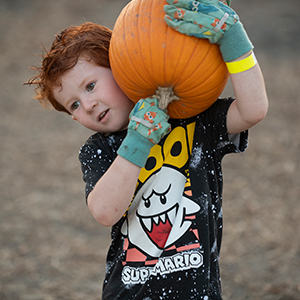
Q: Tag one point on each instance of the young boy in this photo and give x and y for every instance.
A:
(160, 191)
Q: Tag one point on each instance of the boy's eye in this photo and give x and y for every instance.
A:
(75, 105)
(90, 87)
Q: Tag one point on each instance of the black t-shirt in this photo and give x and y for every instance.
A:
(167, 245)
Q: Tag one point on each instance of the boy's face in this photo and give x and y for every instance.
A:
(89, 92)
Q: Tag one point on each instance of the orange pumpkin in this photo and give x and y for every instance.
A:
(147, 55)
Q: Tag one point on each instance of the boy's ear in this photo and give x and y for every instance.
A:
(74, 118)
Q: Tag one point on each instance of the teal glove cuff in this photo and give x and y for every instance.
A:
(135, 148)
(235, 42)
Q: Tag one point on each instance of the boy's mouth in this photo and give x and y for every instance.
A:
(102, 115)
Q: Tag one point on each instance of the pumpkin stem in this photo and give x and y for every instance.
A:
(165, 96)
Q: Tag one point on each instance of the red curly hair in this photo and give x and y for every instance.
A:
(89, 39)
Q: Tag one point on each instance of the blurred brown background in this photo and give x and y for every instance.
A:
(50, 246)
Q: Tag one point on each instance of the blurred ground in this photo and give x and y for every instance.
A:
(50, 246)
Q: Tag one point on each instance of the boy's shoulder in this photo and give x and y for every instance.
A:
(221, 105)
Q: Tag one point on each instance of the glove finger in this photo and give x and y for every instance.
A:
(138, 106)
(199, 23)
(159, 131)
(215, 2)
(182, 6)
(147, 113)
(192, 29)
(210, 20)
(152, 101)
(179, 10)
(174, 12)
(180, 3)
(205, 14)
(144, 105)
(186, 4)
(151, 104)
(156, 132)
(209, 2)
(229, 10)
(155, 102)
(190, 4)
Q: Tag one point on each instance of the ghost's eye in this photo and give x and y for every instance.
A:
(163, 199)
(147, 203)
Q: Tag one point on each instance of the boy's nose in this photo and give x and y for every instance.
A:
(89, 105)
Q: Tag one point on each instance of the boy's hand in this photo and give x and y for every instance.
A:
(202, 19)
(149, 121)
(210, 19)
(148, 125)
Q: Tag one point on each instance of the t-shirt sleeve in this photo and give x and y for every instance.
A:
(96, 156)
(216, 122)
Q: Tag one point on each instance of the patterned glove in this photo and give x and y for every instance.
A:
(148, 125)
(210, 19)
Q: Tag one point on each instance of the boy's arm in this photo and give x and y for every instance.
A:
(217, 22)
(251, 104)
(112, 194)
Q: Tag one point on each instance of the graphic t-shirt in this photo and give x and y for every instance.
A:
(167, 245)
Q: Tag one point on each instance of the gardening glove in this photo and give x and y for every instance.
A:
(148, 125)
(210, 19)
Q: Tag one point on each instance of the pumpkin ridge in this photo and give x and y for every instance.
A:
(164, 70)
(188, 61)
(150, 38)
(199, 65)
(115, 59)
(207, 79)
(127, 50)
(213, 74)
(118, 70)
(158, 74)
(177, 64)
